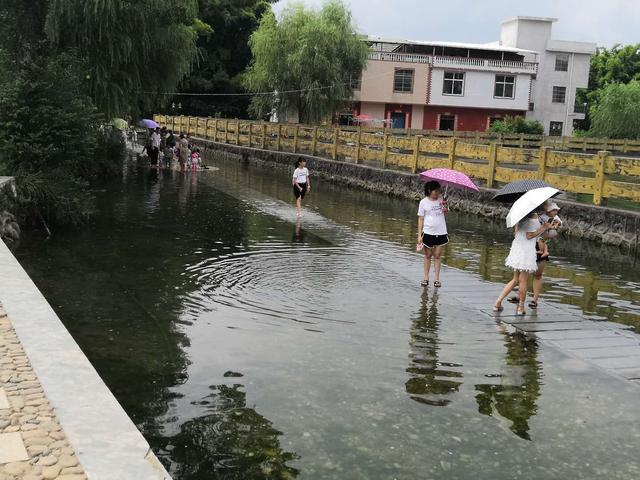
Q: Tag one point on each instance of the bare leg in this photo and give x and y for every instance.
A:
(437, 256)
(427, 262)
(507, 289)
(522, 291)
(299, 205)
(537, 282)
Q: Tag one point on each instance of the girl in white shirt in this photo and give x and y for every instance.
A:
(432, 230)
(301, 184)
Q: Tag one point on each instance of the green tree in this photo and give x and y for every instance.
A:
(223, 57)
(309, 57)
(617, 112)
(619, 64)
(517, 125)
(134, 51)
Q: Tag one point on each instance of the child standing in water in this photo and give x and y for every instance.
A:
(522, 259)
(432, 230)
(301, 184)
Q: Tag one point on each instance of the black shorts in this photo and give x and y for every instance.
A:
(540, 258)
(431, 241)
(296, 191)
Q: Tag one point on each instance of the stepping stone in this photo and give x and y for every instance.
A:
(546, 327)
(614, 341)
(12, 448)
(608, 352)
(616, 363)
(4, 401)
(572, 334)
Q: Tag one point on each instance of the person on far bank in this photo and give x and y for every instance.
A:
(522, 259)
(432, 230)
(301, 184)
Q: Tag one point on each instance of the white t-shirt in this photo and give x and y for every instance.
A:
(434, 222)
(155, 140)
(300, 175)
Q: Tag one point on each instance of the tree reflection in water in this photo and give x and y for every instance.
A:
(514, 399)
(230, 441)
(429, 382)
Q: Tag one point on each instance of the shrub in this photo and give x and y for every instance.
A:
(517, 125)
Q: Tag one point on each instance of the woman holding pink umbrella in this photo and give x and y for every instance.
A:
(432, 227)
(432, 230)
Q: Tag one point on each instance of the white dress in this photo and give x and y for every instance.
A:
(522, 255)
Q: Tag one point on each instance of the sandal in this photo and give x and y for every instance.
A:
(437, 284)
(533, 304)
(424, 283)
(513, 300)
(497, 308)
(520, 310)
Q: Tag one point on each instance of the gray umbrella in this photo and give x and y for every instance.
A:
(514, 190)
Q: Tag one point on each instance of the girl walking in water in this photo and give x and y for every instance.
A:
(301, 184)
(432, 230)
(522, 259)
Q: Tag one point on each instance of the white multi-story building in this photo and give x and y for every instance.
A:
(465, 86)
(563, 69)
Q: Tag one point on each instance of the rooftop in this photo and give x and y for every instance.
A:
(495, 47)
(531, 19)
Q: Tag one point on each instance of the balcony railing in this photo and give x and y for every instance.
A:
(457, 62)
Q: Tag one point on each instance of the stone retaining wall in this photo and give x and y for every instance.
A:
(600, 224)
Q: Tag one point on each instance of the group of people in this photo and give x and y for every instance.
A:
(528, 254)
(162, 147)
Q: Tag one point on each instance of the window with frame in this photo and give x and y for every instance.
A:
(355, 82)
(562, 62)
(453, 83)
(403, 80)
(505, 86)
(555, 129)
(559, 94)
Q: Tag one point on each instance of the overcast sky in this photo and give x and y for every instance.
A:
(605, 22)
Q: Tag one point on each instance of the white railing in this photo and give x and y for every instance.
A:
(464, 62)
(400, 57)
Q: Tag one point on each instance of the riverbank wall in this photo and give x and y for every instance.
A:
(600, 224)
(107, 443)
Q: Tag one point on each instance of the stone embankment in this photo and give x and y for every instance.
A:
(600, 224)
(33, 445)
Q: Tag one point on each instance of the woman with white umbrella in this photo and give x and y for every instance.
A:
(522, 256)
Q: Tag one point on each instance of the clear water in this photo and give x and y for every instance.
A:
(245, 345)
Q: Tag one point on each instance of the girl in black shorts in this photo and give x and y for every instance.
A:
(301, 184)
(432, 230)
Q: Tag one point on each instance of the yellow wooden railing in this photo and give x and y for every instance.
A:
(602, 175)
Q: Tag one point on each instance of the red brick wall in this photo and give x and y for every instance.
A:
(467, 119)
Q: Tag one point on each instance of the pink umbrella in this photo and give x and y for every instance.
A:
(449, 178)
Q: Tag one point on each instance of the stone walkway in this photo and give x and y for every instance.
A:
(32, 443)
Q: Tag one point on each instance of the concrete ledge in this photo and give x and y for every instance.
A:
(599, 224)
(108, 444)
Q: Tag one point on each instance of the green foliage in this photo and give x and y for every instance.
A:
(49, 137)
(517, 125)
(223, 57)
(314, 53)
(617, 113)
(134, 51)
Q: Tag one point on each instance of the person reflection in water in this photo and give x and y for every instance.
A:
(298, 233)
(431, 382)
(301, 184)
(514, 396)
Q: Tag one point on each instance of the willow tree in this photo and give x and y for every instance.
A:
(617, 113)
(308, 58)
(134, 51)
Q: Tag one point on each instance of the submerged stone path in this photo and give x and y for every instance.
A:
(611, 346)
(33, 445)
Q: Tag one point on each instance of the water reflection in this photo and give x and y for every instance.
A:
(514, 398)
(229, 440)
(429, 383)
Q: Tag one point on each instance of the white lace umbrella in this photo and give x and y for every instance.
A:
(529, 202)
